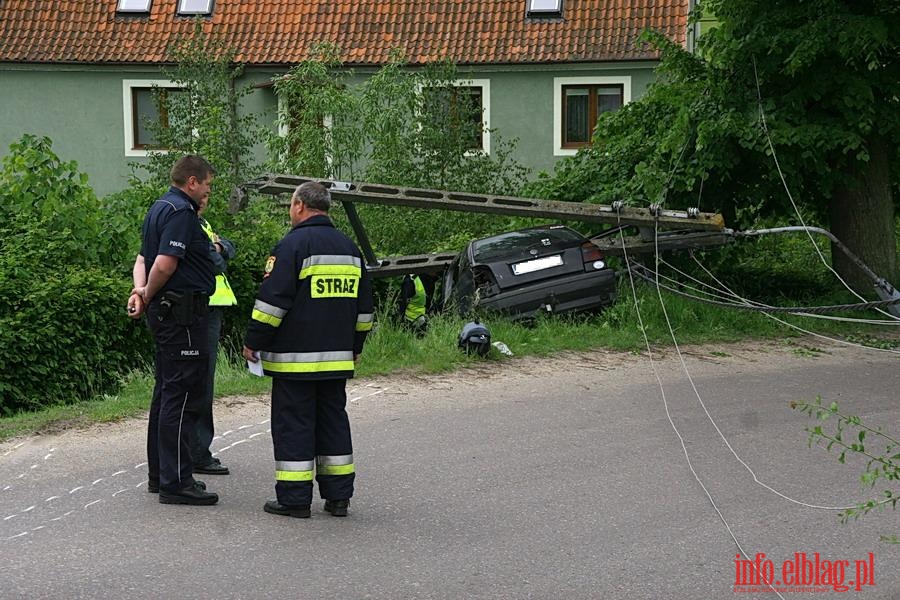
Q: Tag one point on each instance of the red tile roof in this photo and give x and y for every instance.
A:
(281, 31)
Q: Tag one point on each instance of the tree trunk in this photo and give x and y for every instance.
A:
(862, 217)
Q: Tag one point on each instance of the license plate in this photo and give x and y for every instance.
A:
(538, 264)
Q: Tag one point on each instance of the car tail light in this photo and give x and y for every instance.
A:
(592, 256)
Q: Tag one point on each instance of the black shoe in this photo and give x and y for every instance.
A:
(337, 508)
(194, 495)
(153, 485)
(273, 507)
(213, 467)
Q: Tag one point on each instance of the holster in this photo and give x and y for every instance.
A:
(183, 308)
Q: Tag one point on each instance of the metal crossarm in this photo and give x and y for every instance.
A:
(489, 204)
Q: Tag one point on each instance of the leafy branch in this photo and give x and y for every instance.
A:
(848, 434)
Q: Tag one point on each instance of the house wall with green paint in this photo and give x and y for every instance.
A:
(82, 108)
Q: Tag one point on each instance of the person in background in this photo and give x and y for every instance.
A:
(414, 304)
(221, 251)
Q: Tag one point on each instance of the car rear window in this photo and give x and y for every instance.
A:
(512, 244)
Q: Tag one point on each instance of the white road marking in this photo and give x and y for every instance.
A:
(6, 488)
(21, 476)
(92, 503)
(51, 498)
(68, 513)
(96, 481)
(118, 473)
(33, 467)
(227, 432)
(140, 484)
(238, 442)
(56, 519)
(29, 509)
(143, 464)
(49, 454)
(10, 517)
(38, 527)
(244, 427)
(256, 434)
(18, 535)
(73, 490)
(120, 491)
(263, 422)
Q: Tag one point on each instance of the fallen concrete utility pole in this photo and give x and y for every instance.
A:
(348, 194)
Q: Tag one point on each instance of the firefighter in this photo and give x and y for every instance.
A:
(173, 278)
(308, 326)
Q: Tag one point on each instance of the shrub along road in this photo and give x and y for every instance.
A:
(538, 478)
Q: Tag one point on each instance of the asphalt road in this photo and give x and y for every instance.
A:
(531, 478)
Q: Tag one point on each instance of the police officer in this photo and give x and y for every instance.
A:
(309, 323)
(173, 278)
(221, 250)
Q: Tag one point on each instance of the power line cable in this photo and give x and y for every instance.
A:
(662, 392)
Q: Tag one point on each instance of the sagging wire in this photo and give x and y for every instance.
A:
(705, 410)
(662, 392)
(791, 325)
(765, 127)
(725, 294)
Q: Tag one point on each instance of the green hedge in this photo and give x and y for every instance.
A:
(64, 335)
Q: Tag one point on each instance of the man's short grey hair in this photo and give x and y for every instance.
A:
(314, 195)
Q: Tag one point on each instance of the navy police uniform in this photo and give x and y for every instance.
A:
(312, 315)
(177, 319)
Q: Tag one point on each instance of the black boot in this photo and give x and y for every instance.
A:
(273, 507)
(153, 485)
(194, 495)
(337, 508)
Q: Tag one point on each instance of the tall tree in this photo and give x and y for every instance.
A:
(828, 75)
(813, 84)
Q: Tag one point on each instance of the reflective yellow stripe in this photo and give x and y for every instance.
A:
(308, 367)
(262, 317)
(293, 475)
(330, 270)
(364, 326)
(335, 469)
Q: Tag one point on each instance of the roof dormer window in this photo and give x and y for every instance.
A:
(133, 6)
(544, 8)
(195, 7)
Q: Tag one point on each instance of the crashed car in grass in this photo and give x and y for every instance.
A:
(550, 268)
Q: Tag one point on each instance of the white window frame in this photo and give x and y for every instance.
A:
(210, 4)
(128, 111)
(485, 85)
(553, 12)
(134, 11)
(559, 82)
(283, 126)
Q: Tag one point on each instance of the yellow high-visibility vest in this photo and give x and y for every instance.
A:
(223, 296)
(415, 306)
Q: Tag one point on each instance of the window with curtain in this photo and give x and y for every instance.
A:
(582, 106)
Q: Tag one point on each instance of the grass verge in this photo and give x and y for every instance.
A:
(391, 349)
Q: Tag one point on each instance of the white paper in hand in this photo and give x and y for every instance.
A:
(255, 368)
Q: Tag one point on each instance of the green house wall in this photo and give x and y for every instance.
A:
(81, 109)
